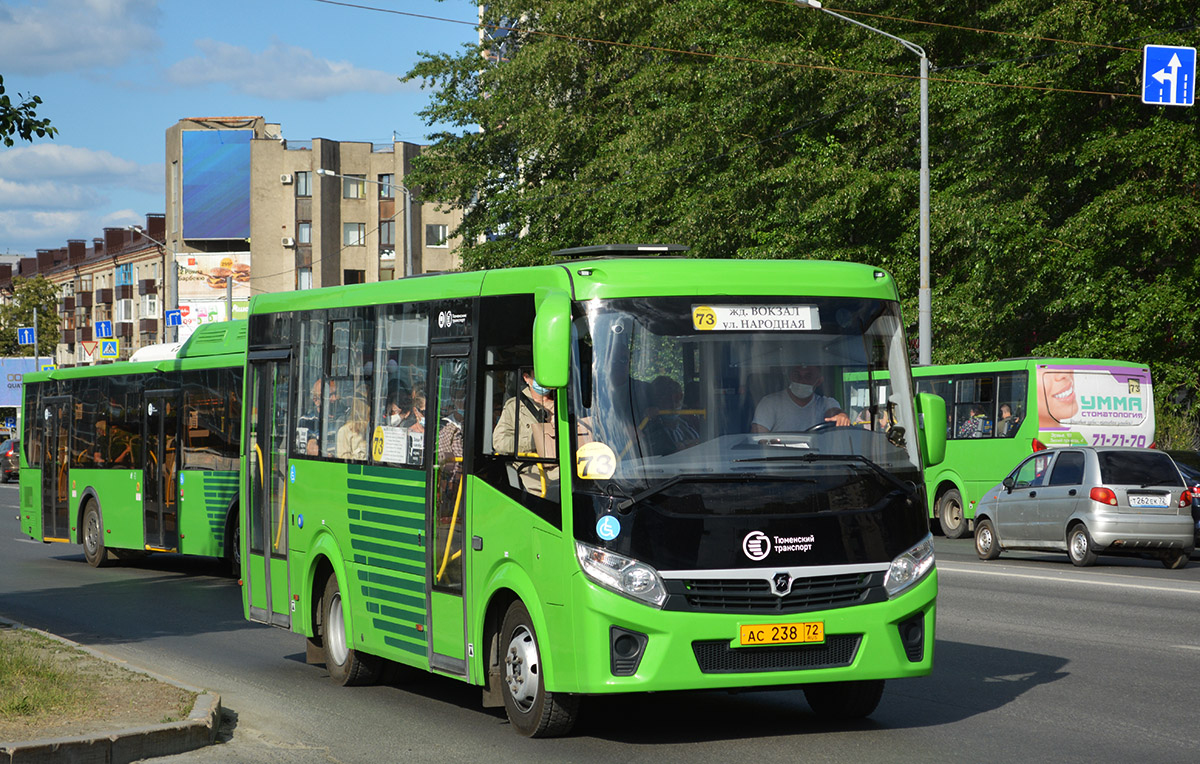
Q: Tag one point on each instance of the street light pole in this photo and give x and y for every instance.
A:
(171, 282)
(408, 264)
(924, 298)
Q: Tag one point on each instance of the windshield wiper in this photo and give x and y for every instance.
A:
(697, 478)
(908, 488)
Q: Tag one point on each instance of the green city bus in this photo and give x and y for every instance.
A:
(135, 457)
(998, 413)
(545, 481)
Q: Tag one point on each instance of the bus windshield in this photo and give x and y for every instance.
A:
(718, 392)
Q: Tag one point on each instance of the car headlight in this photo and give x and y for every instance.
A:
(910, 567)
(621, 574)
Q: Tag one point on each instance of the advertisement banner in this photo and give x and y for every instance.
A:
(205, 277)
(196, 312)
(11, 371)
(1095, 405)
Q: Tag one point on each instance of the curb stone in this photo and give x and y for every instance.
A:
(125, 745)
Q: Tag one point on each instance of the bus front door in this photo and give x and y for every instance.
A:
(160, 470)
(56, 468)
(446, 514)
(265, 530)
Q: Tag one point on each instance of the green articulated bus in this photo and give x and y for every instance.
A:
(1000, 412)
(561, 481)
(135, 457)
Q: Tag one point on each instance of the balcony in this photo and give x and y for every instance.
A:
(84, 334)
(67, 305)
(124, 329)
(148, 286)
(104, 296)
(68, 336)
(124, 292)
(148, 325)
(83, 299)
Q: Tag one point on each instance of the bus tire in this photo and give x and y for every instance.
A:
(346, 665)
(950, 515)
(532, 711)
(233, 545)
(987, 546)
(1080, 547)
(1174, 559)
(844, 700)
(94, 550)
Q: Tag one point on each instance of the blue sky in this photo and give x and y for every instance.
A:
(113, 75)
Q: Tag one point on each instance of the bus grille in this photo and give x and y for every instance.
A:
(717, 657)
(754, 595)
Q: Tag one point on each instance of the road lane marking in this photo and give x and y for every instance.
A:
(1067, 579)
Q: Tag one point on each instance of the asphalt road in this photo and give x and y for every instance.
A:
(1035, 661)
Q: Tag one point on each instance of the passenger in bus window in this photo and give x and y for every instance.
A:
(309, 423)
(798, 407)
(1007, 426)
(352, 436)
(526, 424)
(976, 425)
(667, 430)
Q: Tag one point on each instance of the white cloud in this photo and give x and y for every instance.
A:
(59, 160)
(47, 195)
(281, 72)
(53, 228)
(68, 35)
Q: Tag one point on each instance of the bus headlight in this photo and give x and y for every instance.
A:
(621, 574)
(910, 567)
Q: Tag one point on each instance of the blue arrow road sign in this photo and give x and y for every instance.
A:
(25, 336)
(103, 330)
(1169, 75)
(174, 317)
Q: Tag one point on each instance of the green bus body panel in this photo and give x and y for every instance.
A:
(447, 612)
(204, 499)
(119, 493)
(974, 465)
(30, 487)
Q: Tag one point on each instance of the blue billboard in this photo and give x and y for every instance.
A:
(216, 184)
(11, 371)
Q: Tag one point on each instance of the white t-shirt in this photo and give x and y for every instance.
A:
(778, 412)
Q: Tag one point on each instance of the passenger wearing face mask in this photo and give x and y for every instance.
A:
(798, 408)
(526, 424)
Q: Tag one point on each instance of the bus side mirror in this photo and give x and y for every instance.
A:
(552, 338)
(932, 409)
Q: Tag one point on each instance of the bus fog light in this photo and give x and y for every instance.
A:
(910, 567)
(621, 574)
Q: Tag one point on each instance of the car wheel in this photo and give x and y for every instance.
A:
(346, 665)
(987, 546)
(950, 515)
(531, 710)
(1175, 559)
(844, 700)
(1080, 548)
(94, 550)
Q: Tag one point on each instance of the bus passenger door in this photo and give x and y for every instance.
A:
(264, 525)
(160, 470)
(446, 514)
(56, 465)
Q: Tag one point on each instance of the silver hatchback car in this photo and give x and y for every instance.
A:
(1088, 501)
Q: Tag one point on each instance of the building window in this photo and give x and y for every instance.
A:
(354, 187)
(304, 183)
(387, 270)
(85, 284)
(354, 234)
(303, 279)
(387, 234)
(304, 233)
(124, 275)
(147, 339)
(149, 306)
(350, 276)
(386, 189)
(435, 235)
(124, 310)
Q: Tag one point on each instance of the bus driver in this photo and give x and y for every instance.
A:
(799, 407)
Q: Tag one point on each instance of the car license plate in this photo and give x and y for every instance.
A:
(782, 633)
(1147, 500)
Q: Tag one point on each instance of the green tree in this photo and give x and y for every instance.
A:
(1065, 215)
(29, 294)
(20, 119)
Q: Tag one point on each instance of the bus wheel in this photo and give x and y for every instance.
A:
(233, 545)
(531, 710)
(1175, 559)
(1079, 546)
(950, 515)
(986, 544)
(844, 700)
(346, 666)
(93, 537)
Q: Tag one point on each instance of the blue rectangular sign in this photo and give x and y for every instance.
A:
(173, 317)
(25, 336)
(12, 370)
(1169, 75)
(103, 330)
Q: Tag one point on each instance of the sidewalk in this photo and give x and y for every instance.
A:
(121, 744)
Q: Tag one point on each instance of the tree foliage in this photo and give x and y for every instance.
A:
(20, 119)
(1065, 216)
(29, 294)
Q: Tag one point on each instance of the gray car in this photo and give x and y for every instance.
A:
(1088, 501)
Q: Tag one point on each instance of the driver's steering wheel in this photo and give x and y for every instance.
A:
(822, 426)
